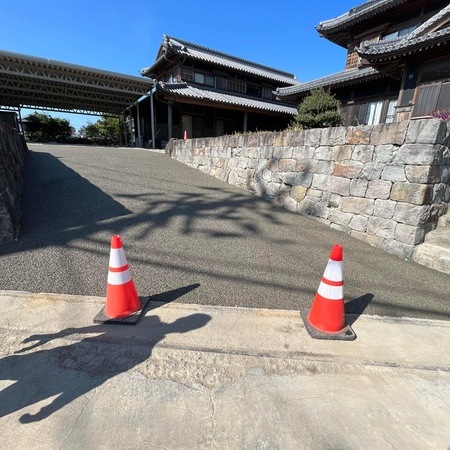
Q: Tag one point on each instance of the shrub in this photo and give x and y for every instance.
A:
(320, 109)
(439, 115)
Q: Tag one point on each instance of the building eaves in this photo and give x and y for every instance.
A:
(357, 14)
(197, 52)
(387, 50)
(193, 92)
(431, 23)
(346, 77)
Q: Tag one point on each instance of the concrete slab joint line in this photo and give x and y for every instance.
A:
(216, 376)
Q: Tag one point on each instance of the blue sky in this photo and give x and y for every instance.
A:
(124, 36)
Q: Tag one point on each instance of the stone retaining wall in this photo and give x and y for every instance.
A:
(386, 184)
(12, 155)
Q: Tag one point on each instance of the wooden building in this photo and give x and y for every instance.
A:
(203, 92)
(398, 61)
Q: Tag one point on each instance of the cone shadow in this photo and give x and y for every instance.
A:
(147, 303)
(171, 296)
(355, 307)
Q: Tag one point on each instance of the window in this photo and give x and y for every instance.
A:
(236, 86)
(432, 97)
(370, 113)
(221, 83)
(373, 114)
(201, 78)
(187, 74)
(267, 93)
(399, 33)
(443, 103)
(390, 114)
(254, 90)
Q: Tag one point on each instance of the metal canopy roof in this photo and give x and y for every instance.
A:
(32, 82)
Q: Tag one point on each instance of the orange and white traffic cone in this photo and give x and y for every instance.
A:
(326, 318)
(185, 135)
(122, 301)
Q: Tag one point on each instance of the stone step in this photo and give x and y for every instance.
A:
(433, 256)
(439, 237)
(444, 221)
(435, 251)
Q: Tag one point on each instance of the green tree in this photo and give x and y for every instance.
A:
(41, 127)
(106, 131)
(318, 110)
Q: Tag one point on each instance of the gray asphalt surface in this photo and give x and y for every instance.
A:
(188, 232)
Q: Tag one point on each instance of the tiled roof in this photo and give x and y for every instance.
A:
(431, 23)
(337, 79)
(187, 49)
(357, 14)
(416, 40)
(387, 50)
(188, 91)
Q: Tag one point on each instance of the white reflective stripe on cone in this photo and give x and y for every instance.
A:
(117, 278)
(330, 292)
(333, 271)
(117, 258)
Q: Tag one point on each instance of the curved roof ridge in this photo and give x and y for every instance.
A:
(423, 33)
(430, 22)
(336, 78)
(370, 7)
(231, 57)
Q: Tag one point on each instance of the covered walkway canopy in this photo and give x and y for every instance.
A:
(40, 83)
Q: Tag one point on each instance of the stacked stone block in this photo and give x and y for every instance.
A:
(12, 155)
(386, 184)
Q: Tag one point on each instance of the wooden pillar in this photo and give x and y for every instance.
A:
(152, 119)
(138, 120)
(130, 123)
(124, 128)
(170, 120)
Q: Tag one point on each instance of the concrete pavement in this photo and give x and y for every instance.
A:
(192, 376)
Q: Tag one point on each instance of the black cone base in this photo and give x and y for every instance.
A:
(346, 334)
(132, 319)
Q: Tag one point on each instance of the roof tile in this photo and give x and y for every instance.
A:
(189, 91)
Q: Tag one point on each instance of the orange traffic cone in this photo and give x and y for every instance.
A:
(185, 135)
(326, 318)
(122, 302)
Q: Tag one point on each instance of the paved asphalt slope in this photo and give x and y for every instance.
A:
(185, 230)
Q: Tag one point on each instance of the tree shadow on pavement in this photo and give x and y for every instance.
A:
(60, 206)
(69, 371)
(55, 197)
(180, 222)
